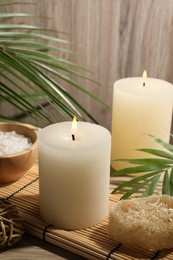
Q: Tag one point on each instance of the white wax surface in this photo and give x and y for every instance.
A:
(74, 175)
(138, 111)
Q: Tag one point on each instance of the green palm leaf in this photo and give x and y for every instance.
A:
(166, 184)
(162, 143)
(40, 56)
(171, 182)
(135, 180)
(9, 15)
(135, 189)
(159, 153)
(151, 168)
(8, 3)
(151, 186)
(24, 55)
(23, 26)
(23, 35)
(39, 46)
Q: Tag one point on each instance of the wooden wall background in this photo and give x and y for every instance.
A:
(117, 38)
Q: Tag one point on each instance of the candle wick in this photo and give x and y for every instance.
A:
(143, 84)
(73, 137)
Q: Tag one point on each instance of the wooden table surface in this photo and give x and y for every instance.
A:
(32, 248)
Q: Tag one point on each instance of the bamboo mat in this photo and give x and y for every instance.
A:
(91, 243)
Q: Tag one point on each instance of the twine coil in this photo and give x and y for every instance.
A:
(11, 227)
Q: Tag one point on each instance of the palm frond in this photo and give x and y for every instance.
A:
(152, 169)
(42, 47)
(23, 35)
(151, 186)
(8, 3)
(25, 55)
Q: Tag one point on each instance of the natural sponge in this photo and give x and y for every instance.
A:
(143, 222)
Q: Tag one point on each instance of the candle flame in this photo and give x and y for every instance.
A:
(74, 125)
(144, 75)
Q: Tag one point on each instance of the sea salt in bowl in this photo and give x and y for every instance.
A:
(18, 150)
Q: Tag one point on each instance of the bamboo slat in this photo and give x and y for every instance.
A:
(92, 243)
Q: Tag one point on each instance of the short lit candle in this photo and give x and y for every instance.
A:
(74, 167)
(141, 106)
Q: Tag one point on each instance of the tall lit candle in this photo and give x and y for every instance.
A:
(141, 106)
(74, 174)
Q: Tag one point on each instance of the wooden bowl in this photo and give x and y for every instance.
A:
(14, 166)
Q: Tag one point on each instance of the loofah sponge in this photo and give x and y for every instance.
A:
(143, 222)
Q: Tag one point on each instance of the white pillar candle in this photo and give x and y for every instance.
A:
(139, 109)
(74, 174)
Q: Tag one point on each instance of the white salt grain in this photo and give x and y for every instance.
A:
(11, 143)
